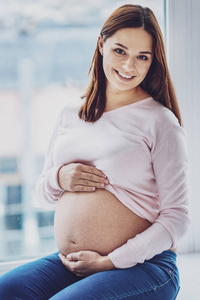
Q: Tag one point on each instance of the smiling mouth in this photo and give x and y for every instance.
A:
(123, 75)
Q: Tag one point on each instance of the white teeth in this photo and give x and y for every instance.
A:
(125, 76)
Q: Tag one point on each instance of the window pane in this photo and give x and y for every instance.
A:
(14, 194)
(45, 53)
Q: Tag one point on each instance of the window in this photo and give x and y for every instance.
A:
(44, 61)
(14, 194)
(14, 221)
(8, 165)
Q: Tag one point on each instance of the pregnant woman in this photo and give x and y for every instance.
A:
(116, 175)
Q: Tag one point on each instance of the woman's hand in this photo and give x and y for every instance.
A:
(77, 177)
(85, 263)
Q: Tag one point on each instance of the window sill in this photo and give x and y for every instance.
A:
(7, 266)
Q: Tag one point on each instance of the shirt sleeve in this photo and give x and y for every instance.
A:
(48, 190)
(170, 165)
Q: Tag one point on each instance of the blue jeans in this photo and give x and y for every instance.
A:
(47, 278)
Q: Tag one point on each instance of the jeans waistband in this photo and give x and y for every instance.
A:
(168, 254)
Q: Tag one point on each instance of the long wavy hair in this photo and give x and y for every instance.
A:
(157, 82)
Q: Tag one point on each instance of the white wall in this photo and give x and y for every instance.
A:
(183, 48)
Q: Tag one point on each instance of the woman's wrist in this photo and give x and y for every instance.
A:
(58, 177)
(106, 263)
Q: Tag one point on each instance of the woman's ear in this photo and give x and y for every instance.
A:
(100, 44)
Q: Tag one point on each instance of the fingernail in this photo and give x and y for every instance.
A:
(106, 181)
(102, 185)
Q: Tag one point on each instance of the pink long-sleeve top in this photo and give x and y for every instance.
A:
(142, 149)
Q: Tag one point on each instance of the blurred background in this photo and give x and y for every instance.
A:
(46, 48)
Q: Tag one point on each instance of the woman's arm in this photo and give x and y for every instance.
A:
(47, 189)
(73, 177)
(170, 164)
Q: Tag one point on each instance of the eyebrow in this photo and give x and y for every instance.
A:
(142, 52)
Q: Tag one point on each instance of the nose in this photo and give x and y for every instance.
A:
(129, 65)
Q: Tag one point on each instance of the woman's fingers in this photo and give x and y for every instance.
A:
(93, 177)
(79, 177)
(90, 170)
(98, 185)
(82, 188)
(88, 178)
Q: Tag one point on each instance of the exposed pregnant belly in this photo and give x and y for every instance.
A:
(95, 221)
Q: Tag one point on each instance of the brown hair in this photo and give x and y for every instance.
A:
(157, 82)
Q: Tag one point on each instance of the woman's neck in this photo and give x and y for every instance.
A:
(116, 99)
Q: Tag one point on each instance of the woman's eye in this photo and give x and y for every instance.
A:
(143, 57)
(119, 51)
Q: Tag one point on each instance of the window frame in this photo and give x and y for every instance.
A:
(183, 44)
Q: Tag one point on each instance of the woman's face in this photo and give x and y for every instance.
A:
(127, 57)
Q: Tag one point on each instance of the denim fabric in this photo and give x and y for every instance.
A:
(47, 278)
